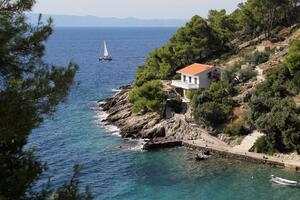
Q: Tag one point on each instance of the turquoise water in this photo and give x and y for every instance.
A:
(74, 133)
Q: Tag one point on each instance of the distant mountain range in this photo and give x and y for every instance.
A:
(92, 21)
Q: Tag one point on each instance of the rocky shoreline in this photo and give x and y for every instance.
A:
(175, 130)
(159, 132)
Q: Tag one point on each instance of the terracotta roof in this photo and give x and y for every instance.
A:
(194, 69)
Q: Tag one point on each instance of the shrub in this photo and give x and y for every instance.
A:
(296, 81)
(277, 116)
(148, 97)
(190, 94)
(236, 129)
(143, 75)
(229, 74)
(292, 61)
(177, 77)
(175, 104)
(214, 105)
(259, 57)
(247, 74)
(212, 113)
(228, 54)
(261, 145)
(273, 111)
(221, 91)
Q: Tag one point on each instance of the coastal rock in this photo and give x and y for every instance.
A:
(165, 131)
(119, 116)
(133, 129)
(157, 132)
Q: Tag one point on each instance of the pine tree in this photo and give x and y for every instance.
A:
(29, 89)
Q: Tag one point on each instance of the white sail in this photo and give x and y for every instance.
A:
(106, 54)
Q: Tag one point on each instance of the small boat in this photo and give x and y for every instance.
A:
(106, 55)
(202, 156)
(282, 181)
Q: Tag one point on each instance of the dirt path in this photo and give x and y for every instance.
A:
(248, 142)
(260, 74)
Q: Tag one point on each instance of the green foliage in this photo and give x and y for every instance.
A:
(259, 57)
(261, 146)
(177, 77)
(229, 73)
(227, 55)
(223, 24)
(196, 42)
(296, 82)
(29, 90)
(274, 112)
(148, 97)
(236, 129)
(248, 22)
(261, 16)
(234, 74)
(212, 113)
(143, 75)
(175, 104)
(247, 74)
(190, 94)
(214, 105)
(292, 61)
(203, 40)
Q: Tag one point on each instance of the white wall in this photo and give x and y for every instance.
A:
(202, 79)
(187, 79)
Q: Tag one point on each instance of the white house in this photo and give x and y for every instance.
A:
(196, 76)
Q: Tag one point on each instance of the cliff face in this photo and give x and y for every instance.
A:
(147, 125)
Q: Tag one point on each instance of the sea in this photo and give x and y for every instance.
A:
(117, 168)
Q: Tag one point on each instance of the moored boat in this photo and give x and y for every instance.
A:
(282, 181)
(202, 156)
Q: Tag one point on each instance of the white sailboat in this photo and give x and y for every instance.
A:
(106, 55)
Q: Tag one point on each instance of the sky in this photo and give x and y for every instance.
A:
(144, 9)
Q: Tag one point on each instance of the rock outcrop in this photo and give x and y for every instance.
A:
(147, 125)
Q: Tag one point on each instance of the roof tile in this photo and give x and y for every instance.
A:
(194, 69)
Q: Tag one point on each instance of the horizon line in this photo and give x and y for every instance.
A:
(146, 19)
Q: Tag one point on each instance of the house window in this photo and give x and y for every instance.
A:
(196, 81)
(184, 78)
(190, 79)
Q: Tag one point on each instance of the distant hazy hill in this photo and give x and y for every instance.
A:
(80, 21)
